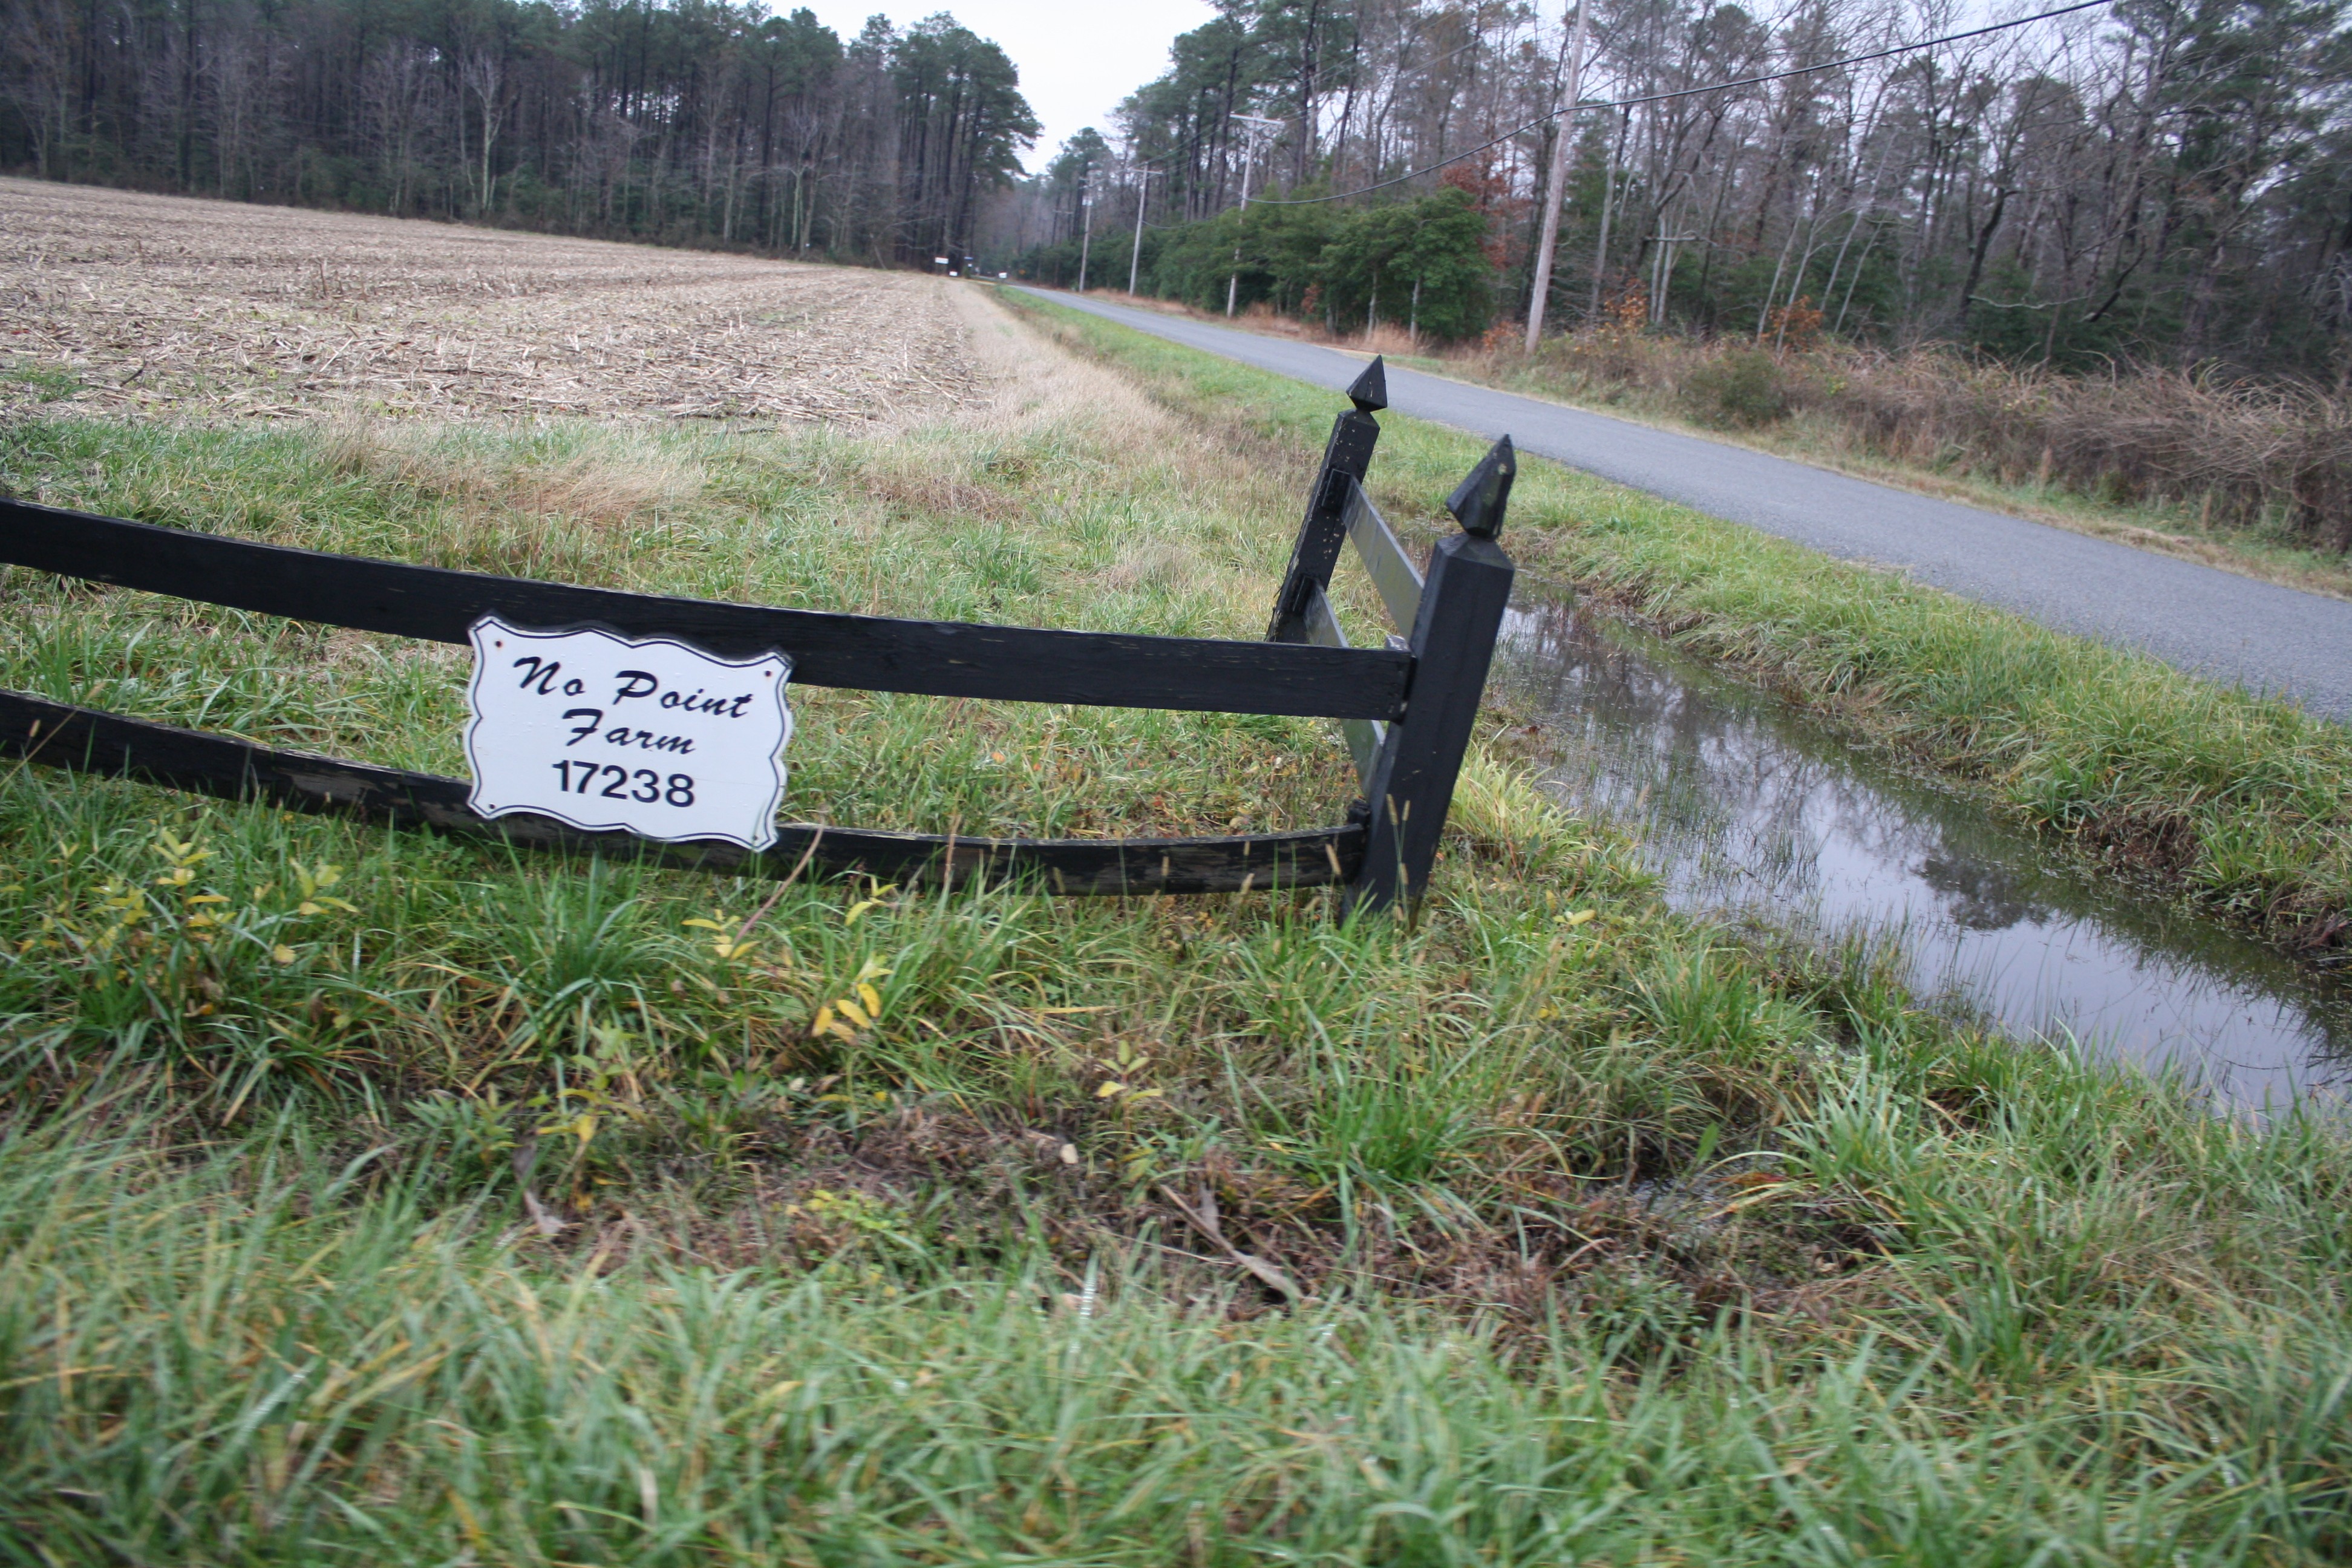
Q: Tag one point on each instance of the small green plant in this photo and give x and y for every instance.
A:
(472, 1134)
(843, 1220)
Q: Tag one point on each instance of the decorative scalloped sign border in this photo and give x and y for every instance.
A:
(654, 736)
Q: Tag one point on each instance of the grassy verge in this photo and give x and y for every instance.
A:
(2242, 805)
(2186, 466)
(379, 1196)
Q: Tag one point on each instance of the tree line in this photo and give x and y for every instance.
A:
(2162, 180)
(1424, 264)
(685, 122)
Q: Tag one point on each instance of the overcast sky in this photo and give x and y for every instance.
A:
(1077, 58)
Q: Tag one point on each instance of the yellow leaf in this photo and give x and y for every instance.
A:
(1580, 916)
(1107, 1090)
(282, 953)
(1763, 1195)
(208, 899)
(873, 998)
(852, 1011)
(824, 1020)
(706, 925)
(307, 908)
(858, 909)
(872, 970)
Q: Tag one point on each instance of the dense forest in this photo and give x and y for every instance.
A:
(2162, 180)
(692, 121)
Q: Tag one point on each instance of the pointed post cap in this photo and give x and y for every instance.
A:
(1479, 501)
(1369, 390)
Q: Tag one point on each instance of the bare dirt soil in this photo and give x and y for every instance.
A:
(117, 302)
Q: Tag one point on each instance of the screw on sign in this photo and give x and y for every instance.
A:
(606, 733)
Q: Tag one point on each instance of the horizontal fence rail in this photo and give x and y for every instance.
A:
(87, 741)
(1385, 561)
(1407, 754)
(874, 653)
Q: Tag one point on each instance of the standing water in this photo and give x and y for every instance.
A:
(1743, 809)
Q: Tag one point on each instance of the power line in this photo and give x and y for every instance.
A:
(1686, 93)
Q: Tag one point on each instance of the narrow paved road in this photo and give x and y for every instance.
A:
(2213, 623)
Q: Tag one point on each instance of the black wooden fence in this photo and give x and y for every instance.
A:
(1407, 707)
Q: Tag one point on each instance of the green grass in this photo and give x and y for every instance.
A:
(282, 1353)
(2240, 805)
(459, 1205)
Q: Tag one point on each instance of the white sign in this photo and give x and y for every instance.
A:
(601, 733)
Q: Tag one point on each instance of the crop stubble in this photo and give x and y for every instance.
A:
(165, 305)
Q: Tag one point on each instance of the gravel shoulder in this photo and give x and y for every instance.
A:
(2211, 623)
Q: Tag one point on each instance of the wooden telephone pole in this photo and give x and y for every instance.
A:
(1086, 212)
(1563, 129)
(1255, 127)
(1135, 253)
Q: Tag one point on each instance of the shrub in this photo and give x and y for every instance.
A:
(1743, 388)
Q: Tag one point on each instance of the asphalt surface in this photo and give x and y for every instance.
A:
(2212, 622)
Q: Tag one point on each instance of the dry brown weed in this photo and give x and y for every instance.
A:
(605, 486)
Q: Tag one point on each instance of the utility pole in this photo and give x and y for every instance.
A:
(1142, 194)
(1086, 232)
(1254, 127)
(1563, 129)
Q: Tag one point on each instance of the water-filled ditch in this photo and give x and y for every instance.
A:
(1747, 809)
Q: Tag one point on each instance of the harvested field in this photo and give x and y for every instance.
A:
(116, 303)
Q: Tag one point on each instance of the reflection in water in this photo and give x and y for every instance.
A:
(1743, 809)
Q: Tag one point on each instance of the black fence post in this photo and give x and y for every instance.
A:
(1411, 786)
(1347, 456)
